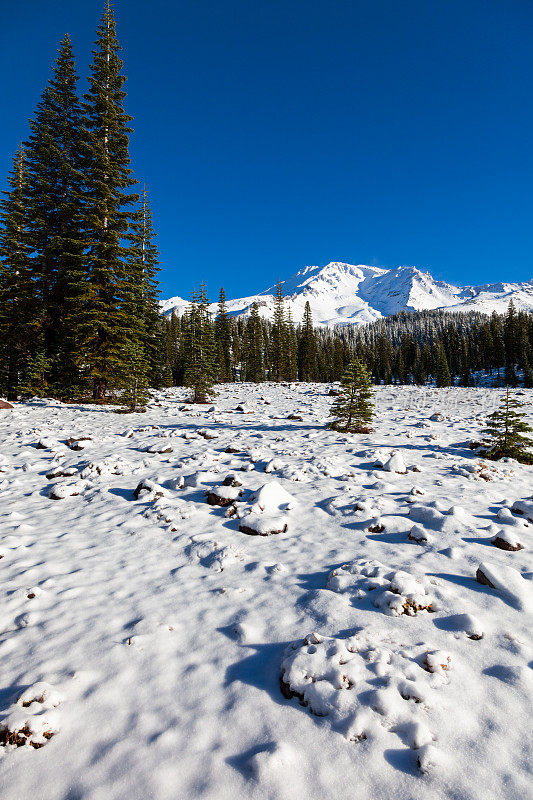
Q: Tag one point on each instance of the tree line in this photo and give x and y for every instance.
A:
(79, 313)
(409, 347)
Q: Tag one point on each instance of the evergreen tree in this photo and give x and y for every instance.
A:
(103, 325)
(279, 339)
(443, 377)
(20, 328)
(511, 338)
(134, 382)
(255, 368)
(291, 365)
(141, 293)
(307, 349)
(199, 348)
(55, 192)
(353, 409)
(223, 340)
(508, 430)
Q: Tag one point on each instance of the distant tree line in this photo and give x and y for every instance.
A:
(79, 314)
(405, 348)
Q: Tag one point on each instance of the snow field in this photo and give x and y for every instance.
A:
(380, 640)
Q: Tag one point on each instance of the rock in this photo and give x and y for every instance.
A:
(69, 489)
(524, 507)
(333, 393)
(231, 449)
(160, 449)
(5, 406)
(231, 480)
(509, 583)
(223, 495)
(295, 417)
(262, 524)
(208, 434)
(505, 540)
(378, 527)
(79, 443)
(437, 417)
(148, 490)
(418, 534)
(61, 472)
(273, 497)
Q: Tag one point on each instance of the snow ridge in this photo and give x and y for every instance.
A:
(345, 294)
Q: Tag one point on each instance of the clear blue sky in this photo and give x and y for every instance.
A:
(278, 133)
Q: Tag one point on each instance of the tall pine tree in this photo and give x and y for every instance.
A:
(223, 339)
(103, 327)
(199, 348)
(20, 328)
(55, 210)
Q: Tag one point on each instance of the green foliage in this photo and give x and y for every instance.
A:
(307, 348)
(254, 364)
(19, 323)
(508, 431)
(199, 348)
(443, 377)
(134, 378)
(223, 340)
(103, 321)
(353, 409)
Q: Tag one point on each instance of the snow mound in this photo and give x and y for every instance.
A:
(508, 582)
(33, 719)
(366, 683)
(395, 592)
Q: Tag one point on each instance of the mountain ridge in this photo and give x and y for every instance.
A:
(349, 294)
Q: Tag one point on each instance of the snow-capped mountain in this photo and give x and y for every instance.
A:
(343, 294)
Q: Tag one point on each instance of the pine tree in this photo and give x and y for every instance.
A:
(199, 348)
(443, 377)
(307, 349)
(255, 368)
(20, 328)
(353, 408)
(290, 346)
(54, 206)
(223, 339)
(141, 294)
(508, 430)
(279, 340)
(134, 381)
(103, 327)
(511, 339)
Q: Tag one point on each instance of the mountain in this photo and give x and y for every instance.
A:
(344, 294)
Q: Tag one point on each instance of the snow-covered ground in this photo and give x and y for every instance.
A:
(151, 648)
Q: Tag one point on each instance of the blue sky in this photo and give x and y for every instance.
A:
(290, 132)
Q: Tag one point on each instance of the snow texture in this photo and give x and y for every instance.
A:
(378, 644)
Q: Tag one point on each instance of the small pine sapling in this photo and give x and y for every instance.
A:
(354, 407)
(508, 431)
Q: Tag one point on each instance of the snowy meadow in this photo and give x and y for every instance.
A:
(231, 601)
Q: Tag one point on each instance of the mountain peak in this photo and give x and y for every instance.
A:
(345, 294)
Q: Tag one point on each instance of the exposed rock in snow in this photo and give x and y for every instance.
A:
(393, 592)
(524, 507)
(507, 540)
(508, 582)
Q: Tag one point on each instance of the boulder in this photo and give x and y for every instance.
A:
(5, 406)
